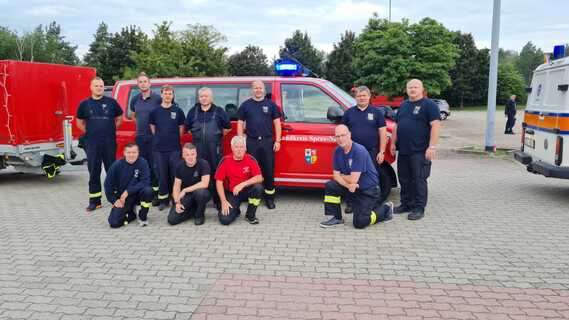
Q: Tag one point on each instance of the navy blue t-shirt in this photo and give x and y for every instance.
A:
(357, 160)
(125, 176)
(143, 107)
(364, 125)
(259, 116)
(167, 122)
(99, 116)
(414, 125)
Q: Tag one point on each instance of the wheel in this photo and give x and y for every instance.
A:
(444, 115)
(384, 184)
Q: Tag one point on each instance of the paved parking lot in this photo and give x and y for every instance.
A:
(493, 245)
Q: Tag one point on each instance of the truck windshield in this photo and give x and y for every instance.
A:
(343, 94)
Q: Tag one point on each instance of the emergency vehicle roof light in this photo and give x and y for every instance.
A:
(284, 67)
(558, 52)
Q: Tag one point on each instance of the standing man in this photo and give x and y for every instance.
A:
(238, 179)
(510, 112)
(367, 126)
(416, 133)
(166, 125)
(354, 174)
(141, 106)
(259, 115)
(99, 117)
(190, 191)
(208, 124)
(126, 185)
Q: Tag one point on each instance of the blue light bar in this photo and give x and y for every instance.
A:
(287, 68)
(558, 52)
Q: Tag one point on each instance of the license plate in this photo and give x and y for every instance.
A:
(529, 142)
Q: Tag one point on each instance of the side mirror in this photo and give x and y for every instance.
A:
(388, 112)
(335, 114)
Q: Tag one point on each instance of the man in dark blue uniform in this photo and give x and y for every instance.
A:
(126, 185)
(510, 112)
(191, 185)
(166, 125)
(141, 105)
(99, 117)
(355, 175)
(416, 135)
(367, 126)
(259, 115)
(208, 124)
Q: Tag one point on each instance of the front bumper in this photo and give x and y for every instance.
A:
(540, 167)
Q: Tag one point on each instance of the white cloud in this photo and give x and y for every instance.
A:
(50, 11)
(343, 11)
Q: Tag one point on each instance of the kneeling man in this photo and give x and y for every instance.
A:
(126, 185)
(356, 177)
(238, 178)
(190, 188)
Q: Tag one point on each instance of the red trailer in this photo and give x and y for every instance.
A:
(37, 105)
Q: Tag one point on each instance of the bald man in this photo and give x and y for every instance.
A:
(416, 135)
(355, 177)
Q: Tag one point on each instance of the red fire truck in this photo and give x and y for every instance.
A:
(311, 108)
(37, 105)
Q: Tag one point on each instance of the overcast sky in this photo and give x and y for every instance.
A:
(268, 23)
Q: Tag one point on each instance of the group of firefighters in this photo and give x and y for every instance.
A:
(156, 171)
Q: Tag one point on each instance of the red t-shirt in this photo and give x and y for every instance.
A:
(232, 172)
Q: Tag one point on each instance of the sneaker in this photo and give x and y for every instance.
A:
(198, 221)
(348, 209)
(331, 223)
(270, 203)
(143, 223)
(93, 207)
(416, 215)
(401, 209)
(389, 214)
(155, 202)
(252, 220)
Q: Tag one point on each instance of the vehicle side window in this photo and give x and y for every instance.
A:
(133, 92)
(305, 103)
(231, 96)
(184, 96)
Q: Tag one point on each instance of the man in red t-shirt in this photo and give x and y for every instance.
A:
(237, 178)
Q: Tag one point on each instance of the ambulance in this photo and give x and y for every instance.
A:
(310, 107)
(545, 129)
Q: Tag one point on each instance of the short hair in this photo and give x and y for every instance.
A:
(97, 78)
(204, 89)
(142, 74)
(166, 87)
(259, 82)
(130, 145)
(190, 146)
(237, 140)
(362, 89)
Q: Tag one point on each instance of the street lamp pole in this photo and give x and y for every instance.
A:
(490, 143)
(389, 10)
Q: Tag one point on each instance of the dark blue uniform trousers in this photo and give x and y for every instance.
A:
(366, 204)
(122, 216)
(194, 204)
(413, 171)
(145, 147)
(262, 151)
(98, 153)
(165, 164)
(212, 153)
(251, 194)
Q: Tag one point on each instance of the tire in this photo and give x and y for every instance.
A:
(385, 185)
(444, 115)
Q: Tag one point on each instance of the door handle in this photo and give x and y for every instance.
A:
(287, 128)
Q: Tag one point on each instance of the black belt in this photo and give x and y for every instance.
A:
(259, 138)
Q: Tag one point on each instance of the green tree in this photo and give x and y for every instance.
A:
(8, 44)
(383, 56)
(510, 81)
(46, 45)
(98, 54)
(121, 46)
(339, 65)
(530, 57)
(469, 76)
(434, 55)
(300, 47)
(508, 56)
(251, 61)
(202, 49)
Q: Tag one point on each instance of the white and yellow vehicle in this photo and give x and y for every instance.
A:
(545, 133)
